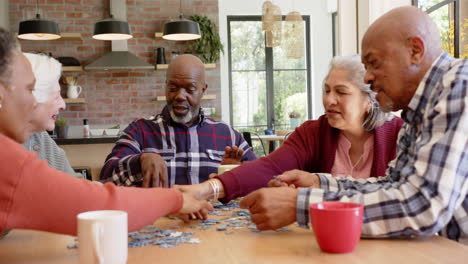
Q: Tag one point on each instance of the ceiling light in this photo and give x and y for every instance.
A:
(38, 29)
(112, 29)
(182, 29)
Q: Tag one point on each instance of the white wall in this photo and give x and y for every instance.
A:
(320, 39)
(350, 35)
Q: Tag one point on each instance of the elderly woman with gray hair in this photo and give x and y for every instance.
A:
(354, 138)
(47, 72)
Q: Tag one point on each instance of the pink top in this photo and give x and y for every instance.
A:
(35, 196)
(343, 165)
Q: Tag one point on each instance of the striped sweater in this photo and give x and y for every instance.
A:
(46, 149)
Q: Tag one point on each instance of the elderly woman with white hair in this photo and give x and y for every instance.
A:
(47, 72)
(354, 138)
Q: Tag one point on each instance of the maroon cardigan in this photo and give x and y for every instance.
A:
(312, 148)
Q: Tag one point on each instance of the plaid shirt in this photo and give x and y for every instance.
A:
(425, 190)
(191, 153)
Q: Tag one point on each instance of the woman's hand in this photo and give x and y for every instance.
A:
(296, 178)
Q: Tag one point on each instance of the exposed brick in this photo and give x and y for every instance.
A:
(115, 97)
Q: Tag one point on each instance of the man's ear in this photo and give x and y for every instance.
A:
(204, 88)
(417, 48)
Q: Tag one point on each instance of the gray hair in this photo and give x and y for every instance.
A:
(356, 72)
(47, 71)
(8, 46)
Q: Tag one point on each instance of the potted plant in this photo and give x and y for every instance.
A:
(61, 127)
(294, 119)
(209, 46)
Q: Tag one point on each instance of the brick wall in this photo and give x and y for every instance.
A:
(115, 97)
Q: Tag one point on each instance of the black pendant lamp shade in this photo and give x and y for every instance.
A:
(112, 29)
(182, 29)
(38, 29)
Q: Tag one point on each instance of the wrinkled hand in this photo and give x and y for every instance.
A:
(271, 208)
(154, 170)
(296, 178)
(232, 155)
(194, 206)
(201, 191)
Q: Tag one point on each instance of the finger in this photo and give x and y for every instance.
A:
(198, 215)
(248, 201)
(155, 178)
(274, 183)
(212, 175)
(204, 214)
(258, 219)
(184, 217)
(146, 178)
(164, 178)
(192, 216)
(240, 153)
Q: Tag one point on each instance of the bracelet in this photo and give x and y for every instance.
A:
(215, 186)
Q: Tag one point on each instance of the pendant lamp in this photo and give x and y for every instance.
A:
(294, 35)
(182, 29)
(38, 29)
(112, 29)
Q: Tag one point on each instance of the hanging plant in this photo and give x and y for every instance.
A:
(209, 46)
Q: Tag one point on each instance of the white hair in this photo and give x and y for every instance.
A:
(356, 72)
(47, 71)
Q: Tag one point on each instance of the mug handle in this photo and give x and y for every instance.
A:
(79, 89)
(97, 231)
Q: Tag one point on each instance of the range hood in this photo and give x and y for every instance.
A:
(119, 58)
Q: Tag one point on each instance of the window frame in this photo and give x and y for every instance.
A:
(269, 71)
(456, 22)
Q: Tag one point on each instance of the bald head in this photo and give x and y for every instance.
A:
(402, 23)
(188, 64)
(397, 50)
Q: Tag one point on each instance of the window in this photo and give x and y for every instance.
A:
(265, 86)
(452, 23)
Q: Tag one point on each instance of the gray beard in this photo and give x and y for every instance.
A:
(183, 119)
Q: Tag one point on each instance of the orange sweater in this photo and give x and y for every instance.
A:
(35, 196)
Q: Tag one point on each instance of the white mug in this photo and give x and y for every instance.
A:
(103, 237)
(74, 91)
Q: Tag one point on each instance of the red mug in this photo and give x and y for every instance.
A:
(337, 225)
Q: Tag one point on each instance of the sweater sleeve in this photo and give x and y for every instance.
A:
(35, 196)
(295, 153)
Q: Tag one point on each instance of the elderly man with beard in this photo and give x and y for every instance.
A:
(180, 145)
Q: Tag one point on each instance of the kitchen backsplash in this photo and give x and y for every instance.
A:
(115, 97)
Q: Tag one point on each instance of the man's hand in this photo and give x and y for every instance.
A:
(154, 170)
(232, 155)
(296, 178)
(271, 208)
(194, 206)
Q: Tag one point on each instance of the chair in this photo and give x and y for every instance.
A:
(247, 136)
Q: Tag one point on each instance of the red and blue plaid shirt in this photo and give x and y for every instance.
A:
(191, 153)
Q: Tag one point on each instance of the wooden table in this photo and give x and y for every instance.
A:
(243, 246)
(270, 139)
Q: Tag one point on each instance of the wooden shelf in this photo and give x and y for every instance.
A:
(72, 68)
(165, 66)
(75, 101)
(205, 97)
(71, 36)
(158, 34)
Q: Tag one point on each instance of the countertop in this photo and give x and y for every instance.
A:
(88, 140)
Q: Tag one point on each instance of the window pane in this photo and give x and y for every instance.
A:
(249, 100)
(247, 45)
(281, 60)
(443, 17)
(290, 95)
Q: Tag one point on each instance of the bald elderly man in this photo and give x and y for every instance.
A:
(425, 189)
(180, 145)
